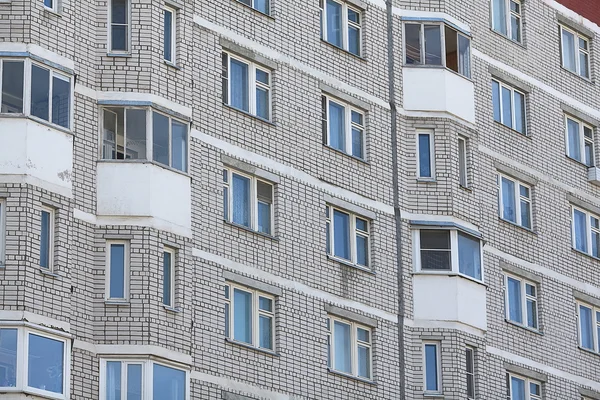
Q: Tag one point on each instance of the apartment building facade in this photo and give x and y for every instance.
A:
(264, 199)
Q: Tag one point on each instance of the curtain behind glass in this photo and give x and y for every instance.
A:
(113, 380)
(334, 23)
(242, 316)
(341, 229)
(579, 220)
(337, 126)
(499, 16)
(241, 200)
(508, 200)
(515, 313)
(8, 349)
(239, 85)
(568, 51)
(574, 139)
(343, 347)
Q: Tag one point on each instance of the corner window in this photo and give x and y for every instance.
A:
(341, 25)
(46, 238)
(168, 274)
(575, 51)
(343, 127)
(470, 372)
(50, 96)
(462, 162)
(259, 5)
(425, 154)
(248, 201)
(249, 316)
(347, 236)
(521, 302)
(509, 106)
(506, 18)
(589, 327)
(450, 251)
(514, 201)
(437, 44)
(580, 141)
(432, 367)
(586, 232)
(246, 86)
(349, 348)
(170, 34)
(119, 19)
(117, 270)
(519, 388)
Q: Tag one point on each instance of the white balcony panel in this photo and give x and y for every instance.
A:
(594, 175)
(439, 90)
(143, 193)
(37, 154)
(449, 298)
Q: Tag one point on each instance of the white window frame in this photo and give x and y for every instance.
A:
(22, 384)
(524, 297)
(582, 139)
(463, 172)
(518, 198)
(2, 232)
(508, 20)
(147, 374)
(577, 50)
(513, 114)
(51, 231)
(470, 376)
(595, 326)
(354, 231)
(54, 7)
(173, 253)
(527, 382)
(256, 314)
(346, 24)
(431, 134)
(109, 49)
(588, 230)
(438, 354)
(253, 6)
(348, 126)
(26, 81)
(173, 12)
(355, 343)
(126, 271)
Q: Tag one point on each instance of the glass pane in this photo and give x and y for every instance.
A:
(227, 319)
(580, 230)
(433, 45)
(341, 228)
(526, 214)
(496, 100)
(119, 11)
(517, 389)
(584, 69)
(520, 122)
(241, 200)
(160, 138)
(136, 134)
(589, 153)
(12, 87)
(357, 118)
(264, 217)
(364, 362)
(113, 380)
(117, 271)
(363, 335)
(61, 101)
(568, 51)
(242, 316)
(469, 363)
(265, 327)
(435, 260)
(464, 56)
(337, 126)
(362, 250)
(362, 225)
(469, 256)
(586, 325)
(462, 162)
(40, 92)
(574, 144)
(534, 389)
(334, 23)
(506, 107)
(431, 368)
(530, 290)
(532, 314)
(239, 85)
(8, 357)
(45, 240)
(262, 103)
(353, 16)
(134, 382)
(499, 16)
(413, 43)
(262, 76)
(167, 283)
(343, 347)
(353, 40)
(168, 30)
(595, 243)
(515, 313)
(509, 208)
(119, 37)
(168, 383)
(431, 239)
(357, 143)
(515, 28)
(179, 146)
(48, 3)
(46, 364)
(265, 304)
(451, 41)
(424, 156)
(262, 6)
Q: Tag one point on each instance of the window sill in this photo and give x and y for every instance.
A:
(112, 302)
(148, 162)
(48, 273)
(122, 55)
(250, 347)
(517, 325)
(170, 309)
(356, 378)
(426, 180)
(588, 351)
(585, 254)
(255, 10)
(39, 121)
(350, 264)
(172, 65)
(256, 117)
(362, 160)
(465, 188)
(525, 135)
(517, 225)
(245, 228)
(437, 67)
(52, 12)
(579, 163)
(451, 274)
(428, 395)
(583, 78)
(505, 37)
(361, 58)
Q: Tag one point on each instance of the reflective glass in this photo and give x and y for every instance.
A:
(12, 87)
(362, 250)
(262, 6)
(45, 239)
(179, 146)
(46, 363)
(517, 391)
(532, 314)
(265, 328)
(113, 380)
(586, 324)
(168, 29)
(509, 208)
(134, 382)
(580, 231)
(160, 138)
(40, 92)
(343, 347)
(117, 271)
(168, 383)
(357, 143)
(568, 50)
(136, 134)
(433, 45)
(364, 362)
(413, 43)
(262, 103)
(242, 316)
(8, 357)
(424, 156)
(239, 85)
(61, 101)
(515, 26)
(241, 200)
(506, 107)
(515, 313)
(496, 100)
(520, 122)
(337, 126)
(469, 256)
(167, 279)
(431, 368)
(341, 228)
(499, 16)
(354, 40)
(334, 23)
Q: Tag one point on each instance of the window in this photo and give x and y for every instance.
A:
(347, 236)
(248, 201)
(514, 201)
(506, 18)
(575, 50)
(128, 379)
(343, 127)
(450, 251)
(340, 25)
(432, 367)
(470, 372)
(519, 388)
(46, 238)
(437, 44)
(12, 82)
(509, 106)
(249, 316)
(425, 154)
(117, 270)
(462, 162)
(51, 4)
(170, 32)
(589, 327)
(521, 302)
(349, 348)
(586, 232)
(120, 31)
(127, 135)
(2, 231)
(34, 361)
(169, 277)
(580, 141)
(246, 86)
(259, 5)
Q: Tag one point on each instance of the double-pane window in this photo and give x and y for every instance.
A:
(437, 44)
(580, 141)
(347, 236)
(520, 388)
(514, 201)
(349, 348)
(249, 316)
(463, 178)
(246, 86)
(248, 201)
(168, 277)
(432, 367)
(123, 380)
(586, 232)
(509, 106)
(259, 5)
(169, 141)
(117, 270)
(506, 18)
(50, 96)
(119, 25)
(341, 25)
(170, 34)
(46, 238)
(425, 154)
(521, 302)
(589, 327)
(343, 127)
(470, 372)
(575, 50)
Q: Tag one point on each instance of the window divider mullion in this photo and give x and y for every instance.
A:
(443, 43)
(169, 144)
(454, 251)
(149, 135)
(348, 130)
(345, 40)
